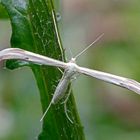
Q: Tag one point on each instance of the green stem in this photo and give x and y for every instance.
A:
(33, 29)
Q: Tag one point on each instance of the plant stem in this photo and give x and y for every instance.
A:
(34, 29)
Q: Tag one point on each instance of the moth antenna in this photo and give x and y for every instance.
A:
(46, 111)
(98, 38)
(71, 54)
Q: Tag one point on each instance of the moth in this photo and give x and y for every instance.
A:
(71, 69)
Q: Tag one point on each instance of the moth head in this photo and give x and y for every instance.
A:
(73, 60)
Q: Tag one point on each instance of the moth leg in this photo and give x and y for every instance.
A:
(65, 101)
(75, 77)
(60, 70)
(65, 106)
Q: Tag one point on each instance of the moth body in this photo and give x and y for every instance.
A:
(69, 72)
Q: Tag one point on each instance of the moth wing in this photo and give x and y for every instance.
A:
(16, 53)
(113, 79)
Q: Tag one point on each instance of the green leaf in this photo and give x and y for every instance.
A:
(13, 64)
(33, 29)
(3, 12)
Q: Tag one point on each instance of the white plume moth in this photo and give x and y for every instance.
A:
(70, 70)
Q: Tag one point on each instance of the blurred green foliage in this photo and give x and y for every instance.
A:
(3, 13)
